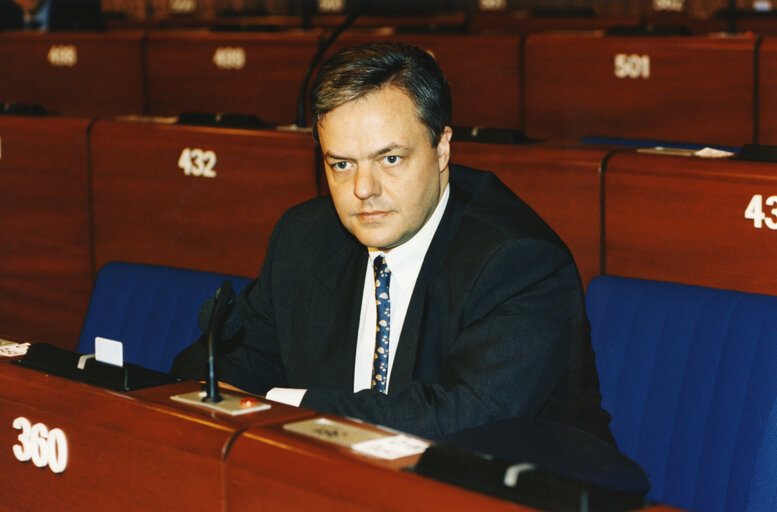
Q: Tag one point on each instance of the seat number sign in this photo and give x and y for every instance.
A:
(42, 446)
(755, 211)
(196, 162)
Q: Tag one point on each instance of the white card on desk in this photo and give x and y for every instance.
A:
(109, 351)
(391, 448)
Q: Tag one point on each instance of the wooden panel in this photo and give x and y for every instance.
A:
(482, 72)
(767, 92)
(561, 183)
(682, 219)
(517, 22)
(135, 451)
(238, 73)
(81, 74)
(694, 89)
(287, 471)
(45, 268)
(147, 210)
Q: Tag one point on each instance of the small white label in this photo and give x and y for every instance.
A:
(14, 349)
(331, 5)
(393, 447)
(109, 351)
(492, 5)
(182, 6)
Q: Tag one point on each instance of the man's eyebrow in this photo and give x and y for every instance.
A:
(332, 156)
(388, 149)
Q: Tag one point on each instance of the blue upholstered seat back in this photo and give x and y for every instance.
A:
(689, 375)
(151, 309)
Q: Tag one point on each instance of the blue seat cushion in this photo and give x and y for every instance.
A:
(689, 375)
(151, 309)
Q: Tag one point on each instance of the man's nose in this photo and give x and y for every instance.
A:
(366, 182)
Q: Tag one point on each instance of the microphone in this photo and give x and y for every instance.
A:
(360, 8)
(218, 316)
(229, 328)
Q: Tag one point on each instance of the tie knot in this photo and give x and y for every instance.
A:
(382, 276)
(380, 267)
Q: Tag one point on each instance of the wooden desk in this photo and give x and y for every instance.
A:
(79, 74)
(691, 89)
(147, 209)
(288, 471)
(562, 183)
(136, 451)
(682, 219)
(767, 95)
(482, 71)
(141, 451)
(249, 73)
(45, 267)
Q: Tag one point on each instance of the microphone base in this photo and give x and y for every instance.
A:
(230, 404)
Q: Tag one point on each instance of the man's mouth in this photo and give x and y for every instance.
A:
(372, 216)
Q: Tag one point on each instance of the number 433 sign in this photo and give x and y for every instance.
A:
(755, 212)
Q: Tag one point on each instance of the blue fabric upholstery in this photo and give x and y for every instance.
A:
(151, 309)
(689, 375)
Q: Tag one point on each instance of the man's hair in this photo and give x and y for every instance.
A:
(355, 72)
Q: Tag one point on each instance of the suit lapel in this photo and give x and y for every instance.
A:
(332, 300)
(416, 318)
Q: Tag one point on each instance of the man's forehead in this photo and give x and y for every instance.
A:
(373, 124)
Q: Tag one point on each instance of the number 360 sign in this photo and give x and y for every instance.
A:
(43, 446)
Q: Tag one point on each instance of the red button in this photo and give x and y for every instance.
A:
(248, 402)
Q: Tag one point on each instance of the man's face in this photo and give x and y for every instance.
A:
(385, 177)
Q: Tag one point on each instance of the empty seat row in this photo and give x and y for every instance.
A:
(714, 89)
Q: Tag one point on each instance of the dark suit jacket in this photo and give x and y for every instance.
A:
(495, 328)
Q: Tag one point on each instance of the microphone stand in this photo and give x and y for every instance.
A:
(355, 13)
(224, 296)
(210, 397)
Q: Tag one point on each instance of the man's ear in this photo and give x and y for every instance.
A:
(444, 148)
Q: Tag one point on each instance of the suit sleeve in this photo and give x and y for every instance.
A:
(251, 359)
(518, 333)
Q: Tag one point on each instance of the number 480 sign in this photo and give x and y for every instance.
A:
(755, 211)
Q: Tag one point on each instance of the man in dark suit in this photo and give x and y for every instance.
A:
(479, 312)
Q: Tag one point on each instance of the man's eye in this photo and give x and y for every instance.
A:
(392, 159)
(340, 166)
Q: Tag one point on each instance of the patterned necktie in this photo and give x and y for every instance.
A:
(383, 304)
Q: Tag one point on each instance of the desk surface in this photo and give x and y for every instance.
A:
(142, 451)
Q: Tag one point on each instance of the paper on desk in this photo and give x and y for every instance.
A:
(13, 349)
(713, 153)
(393, 447)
